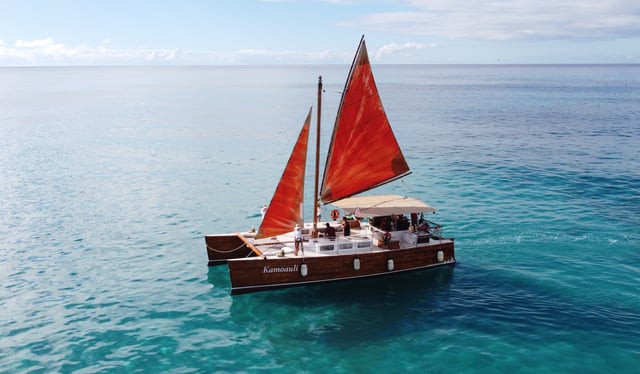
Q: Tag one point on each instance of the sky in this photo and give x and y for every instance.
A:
(245, 32)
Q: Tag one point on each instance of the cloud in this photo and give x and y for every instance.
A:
(47, 51)
(280, 55)
(393, 48)
(43, 47)
(510, 19)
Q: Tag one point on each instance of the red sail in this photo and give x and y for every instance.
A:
(364, 153)
(285, 208)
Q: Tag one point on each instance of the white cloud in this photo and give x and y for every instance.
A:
(263, 52)
(47, 52)
(511, 19)
(43, 47)
(393, 48)
(283, 55)
(39, 43)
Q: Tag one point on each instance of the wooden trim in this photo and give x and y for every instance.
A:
(254, 249)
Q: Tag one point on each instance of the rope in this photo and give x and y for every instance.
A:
(281, 243)
(219, 251)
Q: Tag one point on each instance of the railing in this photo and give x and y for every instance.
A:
(434, 230)
(411, 237)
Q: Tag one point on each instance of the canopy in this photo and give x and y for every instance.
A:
(383, 205)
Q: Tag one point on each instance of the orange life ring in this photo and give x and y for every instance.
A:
(335, 214)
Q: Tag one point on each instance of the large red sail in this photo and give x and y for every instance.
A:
(285, 208)
(364, 153)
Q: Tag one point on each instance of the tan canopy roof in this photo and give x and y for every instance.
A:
(382, 205)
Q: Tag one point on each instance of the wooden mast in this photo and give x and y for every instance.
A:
(316, 193)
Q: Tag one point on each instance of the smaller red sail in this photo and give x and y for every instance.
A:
(285, 209)
(364, 152)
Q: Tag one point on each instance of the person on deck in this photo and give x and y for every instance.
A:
(329, 231)
(386, 239)
(346, 226)
(263, 211)
(297, 236)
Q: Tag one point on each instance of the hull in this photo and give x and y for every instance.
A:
(273, 272)
(221, 248)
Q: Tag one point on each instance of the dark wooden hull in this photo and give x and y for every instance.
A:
(221, 248)
(258, 274)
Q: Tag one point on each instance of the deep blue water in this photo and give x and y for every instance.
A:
(110, 177)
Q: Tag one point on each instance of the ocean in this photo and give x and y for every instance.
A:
(111, 176)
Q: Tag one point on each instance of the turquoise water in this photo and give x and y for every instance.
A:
(110, 177)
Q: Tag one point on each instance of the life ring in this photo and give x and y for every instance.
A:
(335, 214)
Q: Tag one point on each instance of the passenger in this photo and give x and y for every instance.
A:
(387, 238)
(330, 232)
(297, 236)
(424, 226)
(346, 226)
(403, 223)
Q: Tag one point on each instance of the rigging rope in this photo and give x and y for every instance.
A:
(219, 251)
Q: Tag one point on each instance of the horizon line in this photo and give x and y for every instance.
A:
(326, 64)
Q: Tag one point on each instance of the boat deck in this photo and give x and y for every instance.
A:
(364, 239)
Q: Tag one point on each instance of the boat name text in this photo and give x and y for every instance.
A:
(280, 269)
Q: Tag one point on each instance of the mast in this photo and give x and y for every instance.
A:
(316, 194)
